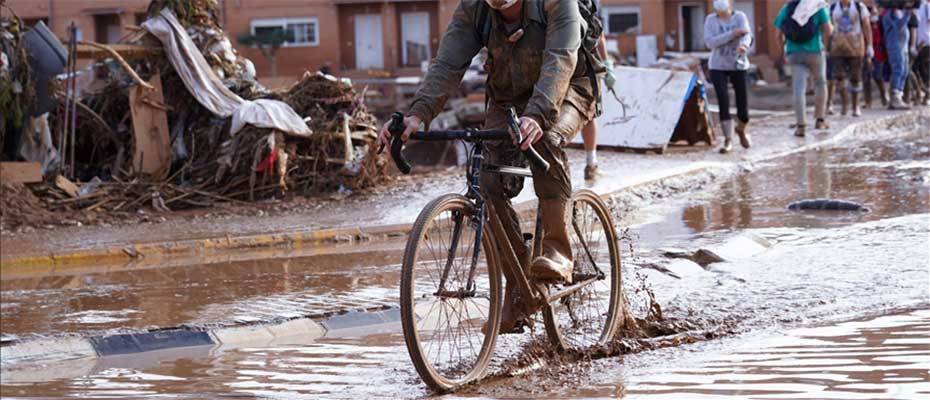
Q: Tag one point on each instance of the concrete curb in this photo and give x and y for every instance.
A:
(307, 328)
(146, 253)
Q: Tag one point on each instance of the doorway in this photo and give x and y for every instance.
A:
(692, 28)
(369, 42)
(107, 28)
(414, 38)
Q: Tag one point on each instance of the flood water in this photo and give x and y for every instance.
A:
(837, 308)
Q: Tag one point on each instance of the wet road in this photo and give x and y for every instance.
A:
(847, 290)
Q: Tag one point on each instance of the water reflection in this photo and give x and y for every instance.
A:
(889, 177)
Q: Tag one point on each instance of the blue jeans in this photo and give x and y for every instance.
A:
(802, 65)
(897, 58)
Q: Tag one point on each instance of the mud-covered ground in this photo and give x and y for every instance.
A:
(835, 298)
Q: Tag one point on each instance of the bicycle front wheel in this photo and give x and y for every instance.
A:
(450, 296)
(589, 316)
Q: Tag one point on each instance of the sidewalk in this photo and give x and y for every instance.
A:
(388, 214)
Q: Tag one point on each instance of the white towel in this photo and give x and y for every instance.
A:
(806, 9)
(209, 91)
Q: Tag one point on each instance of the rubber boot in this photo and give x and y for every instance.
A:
(883, 94)
(897, 101)
(512, 320)
(856, 108)
(555, 262)
(741, 131)
(727, 127)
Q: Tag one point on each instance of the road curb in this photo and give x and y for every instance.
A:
(306, 328)
(142, 254)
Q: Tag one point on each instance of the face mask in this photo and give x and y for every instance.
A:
(501, 4)
(721, 5)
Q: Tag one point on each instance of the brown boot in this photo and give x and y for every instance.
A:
(512, 318)
(882, 93)
(555, 263)
(741, 128)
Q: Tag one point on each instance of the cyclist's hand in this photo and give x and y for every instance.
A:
(531, 130)
(411, 124)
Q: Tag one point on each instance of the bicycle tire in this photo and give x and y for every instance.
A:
(570, 333)
(418, 347)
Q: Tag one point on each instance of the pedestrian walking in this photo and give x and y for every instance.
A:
(589, 133)
(878, 64)
(728, 34)
(922, 44)
(897, 38)
(804, 25)
(850, 45)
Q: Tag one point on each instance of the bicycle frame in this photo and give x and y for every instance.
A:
(535, 294)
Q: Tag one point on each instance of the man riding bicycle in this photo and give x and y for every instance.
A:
(537, 67)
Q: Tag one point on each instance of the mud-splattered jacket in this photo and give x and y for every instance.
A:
(535, 74)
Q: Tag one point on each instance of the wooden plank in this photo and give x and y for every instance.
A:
(127, 51)
(152, 152)
(66, 185)
(20, 172)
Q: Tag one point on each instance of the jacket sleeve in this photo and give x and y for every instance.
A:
(746, 39)
(563, 39)
(711, 39)
(458, 47)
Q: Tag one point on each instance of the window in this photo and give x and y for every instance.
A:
(623, 19)
(303, 31)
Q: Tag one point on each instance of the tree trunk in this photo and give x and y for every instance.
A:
(274, 65)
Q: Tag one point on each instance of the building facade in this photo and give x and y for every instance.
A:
(388, 37)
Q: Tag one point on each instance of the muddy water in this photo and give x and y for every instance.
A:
(347, 278)
(824, 268)
(886, 357)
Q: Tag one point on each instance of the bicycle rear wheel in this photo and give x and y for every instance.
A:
(450, 325)
(590, 315)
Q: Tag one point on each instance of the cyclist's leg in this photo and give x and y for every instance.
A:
(554, 190)
(497, 190)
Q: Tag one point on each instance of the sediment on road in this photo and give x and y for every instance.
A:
(23, 255)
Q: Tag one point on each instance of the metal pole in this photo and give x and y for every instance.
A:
(72, 142)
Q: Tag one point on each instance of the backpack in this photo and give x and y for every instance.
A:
(794, 31)
(589, 41)
(858, 7)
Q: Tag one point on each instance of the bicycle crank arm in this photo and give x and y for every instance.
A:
(568, 291)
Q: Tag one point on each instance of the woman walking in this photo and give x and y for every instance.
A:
(728, 35)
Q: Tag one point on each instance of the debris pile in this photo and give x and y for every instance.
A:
(148, 134)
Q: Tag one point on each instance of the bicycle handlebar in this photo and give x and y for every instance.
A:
(396, 128)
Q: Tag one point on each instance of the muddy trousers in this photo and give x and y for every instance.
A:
(553, 188)
(804, 64)
(720, 78)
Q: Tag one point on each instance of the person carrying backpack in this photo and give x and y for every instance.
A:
(805, 26)
(850, 46)
(541, 62)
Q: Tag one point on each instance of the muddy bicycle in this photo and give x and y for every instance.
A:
(456, 253)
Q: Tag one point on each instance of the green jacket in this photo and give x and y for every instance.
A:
(535, 75)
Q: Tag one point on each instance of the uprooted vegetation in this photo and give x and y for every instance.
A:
(209, 163)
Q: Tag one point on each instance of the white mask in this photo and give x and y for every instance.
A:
(721, 5)
(501, 4)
